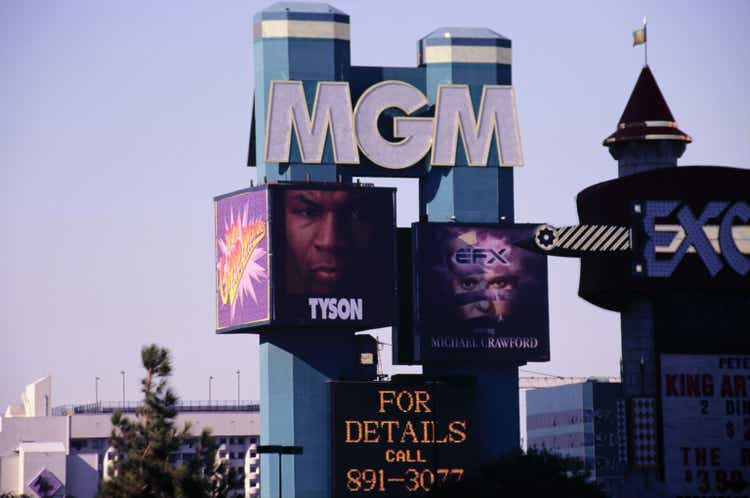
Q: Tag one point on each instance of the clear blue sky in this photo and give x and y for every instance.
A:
(121, 120)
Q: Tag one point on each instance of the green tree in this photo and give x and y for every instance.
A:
(532, 474)
(143, 445)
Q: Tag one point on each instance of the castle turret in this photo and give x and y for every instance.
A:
(647, 136)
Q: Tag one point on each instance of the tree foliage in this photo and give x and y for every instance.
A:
(532, 474)
(143, 445)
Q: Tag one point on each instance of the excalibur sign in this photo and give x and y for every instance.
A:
(332, 111)
(660, 247)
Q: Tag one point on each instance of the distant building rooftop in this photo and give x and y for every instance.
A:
(131, 406)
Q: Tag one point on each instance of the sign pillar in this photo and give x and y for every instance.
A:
(306, 44)
(473, 57)
(295, 406)
(309, 43)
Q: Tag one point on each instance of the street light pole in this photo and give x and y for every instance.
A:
(122, 372)
(96, 390)
(238, 388)
(211, 378)
(280, 450)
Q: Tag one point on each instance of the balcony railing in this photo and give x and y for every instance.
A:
(182, 406)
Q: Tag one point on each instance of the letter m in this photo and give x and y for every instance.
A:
(497, 118)
(332, 110)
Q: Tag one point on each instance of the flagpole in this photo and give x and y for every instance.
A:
(640, 38)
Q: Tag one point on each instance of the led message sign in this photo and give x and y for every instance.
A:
(357, 130)
(706, 418)
(400, 439)
(478, 295)
(722, 244)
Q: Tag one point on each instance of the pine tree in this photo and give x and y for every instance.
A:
(144, 444)
(531, 474)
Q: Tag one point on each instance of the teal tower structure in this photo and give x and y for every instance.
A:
(310, 43)
(473, 57)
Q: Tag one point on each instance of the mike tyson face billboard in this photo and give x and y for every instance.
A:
(478, 296)
(336, 252)
(305, 255)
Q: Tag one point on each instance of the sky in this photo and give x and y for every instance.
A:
(122, 120)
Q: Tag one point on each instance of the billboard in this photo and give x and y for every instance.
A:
(334, 255)
(401, 438)
(305, 255)
(242, 259)
(478, 296)
(705, 408)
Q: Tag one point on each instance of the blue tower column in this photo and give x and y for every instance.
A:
(295, 407)
(474, 57)
(307, 42)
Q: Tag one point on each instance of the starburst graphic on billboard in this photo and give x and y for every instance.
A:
(239, 254)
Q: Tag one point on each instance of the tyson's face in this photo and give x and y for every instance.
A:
(325, 229)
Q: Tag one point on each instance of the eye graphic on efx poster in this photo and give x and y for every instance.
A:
(478, 296)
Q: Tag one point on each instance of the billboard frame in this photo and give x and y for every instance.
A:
(418, 356)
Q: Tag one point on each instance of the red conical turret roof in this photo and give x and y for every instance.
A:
(647, 115)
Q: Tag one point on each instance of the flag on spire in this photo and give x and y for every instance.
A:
(639, 35)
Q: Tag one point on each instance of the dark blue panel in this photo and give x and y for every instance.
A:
(317, 59)
(303, 16)
(471, 42)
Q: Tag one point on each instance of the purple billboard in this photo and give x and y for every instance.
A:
(242, 260)
(478, 296)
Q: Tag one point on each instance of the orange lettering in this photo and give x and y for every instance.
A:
(358, 425)
(457, 428)
(422, 398)
(371, 432)
(384, 401)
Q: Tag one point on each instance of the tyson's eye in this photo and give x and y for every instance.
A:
(307, 212)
